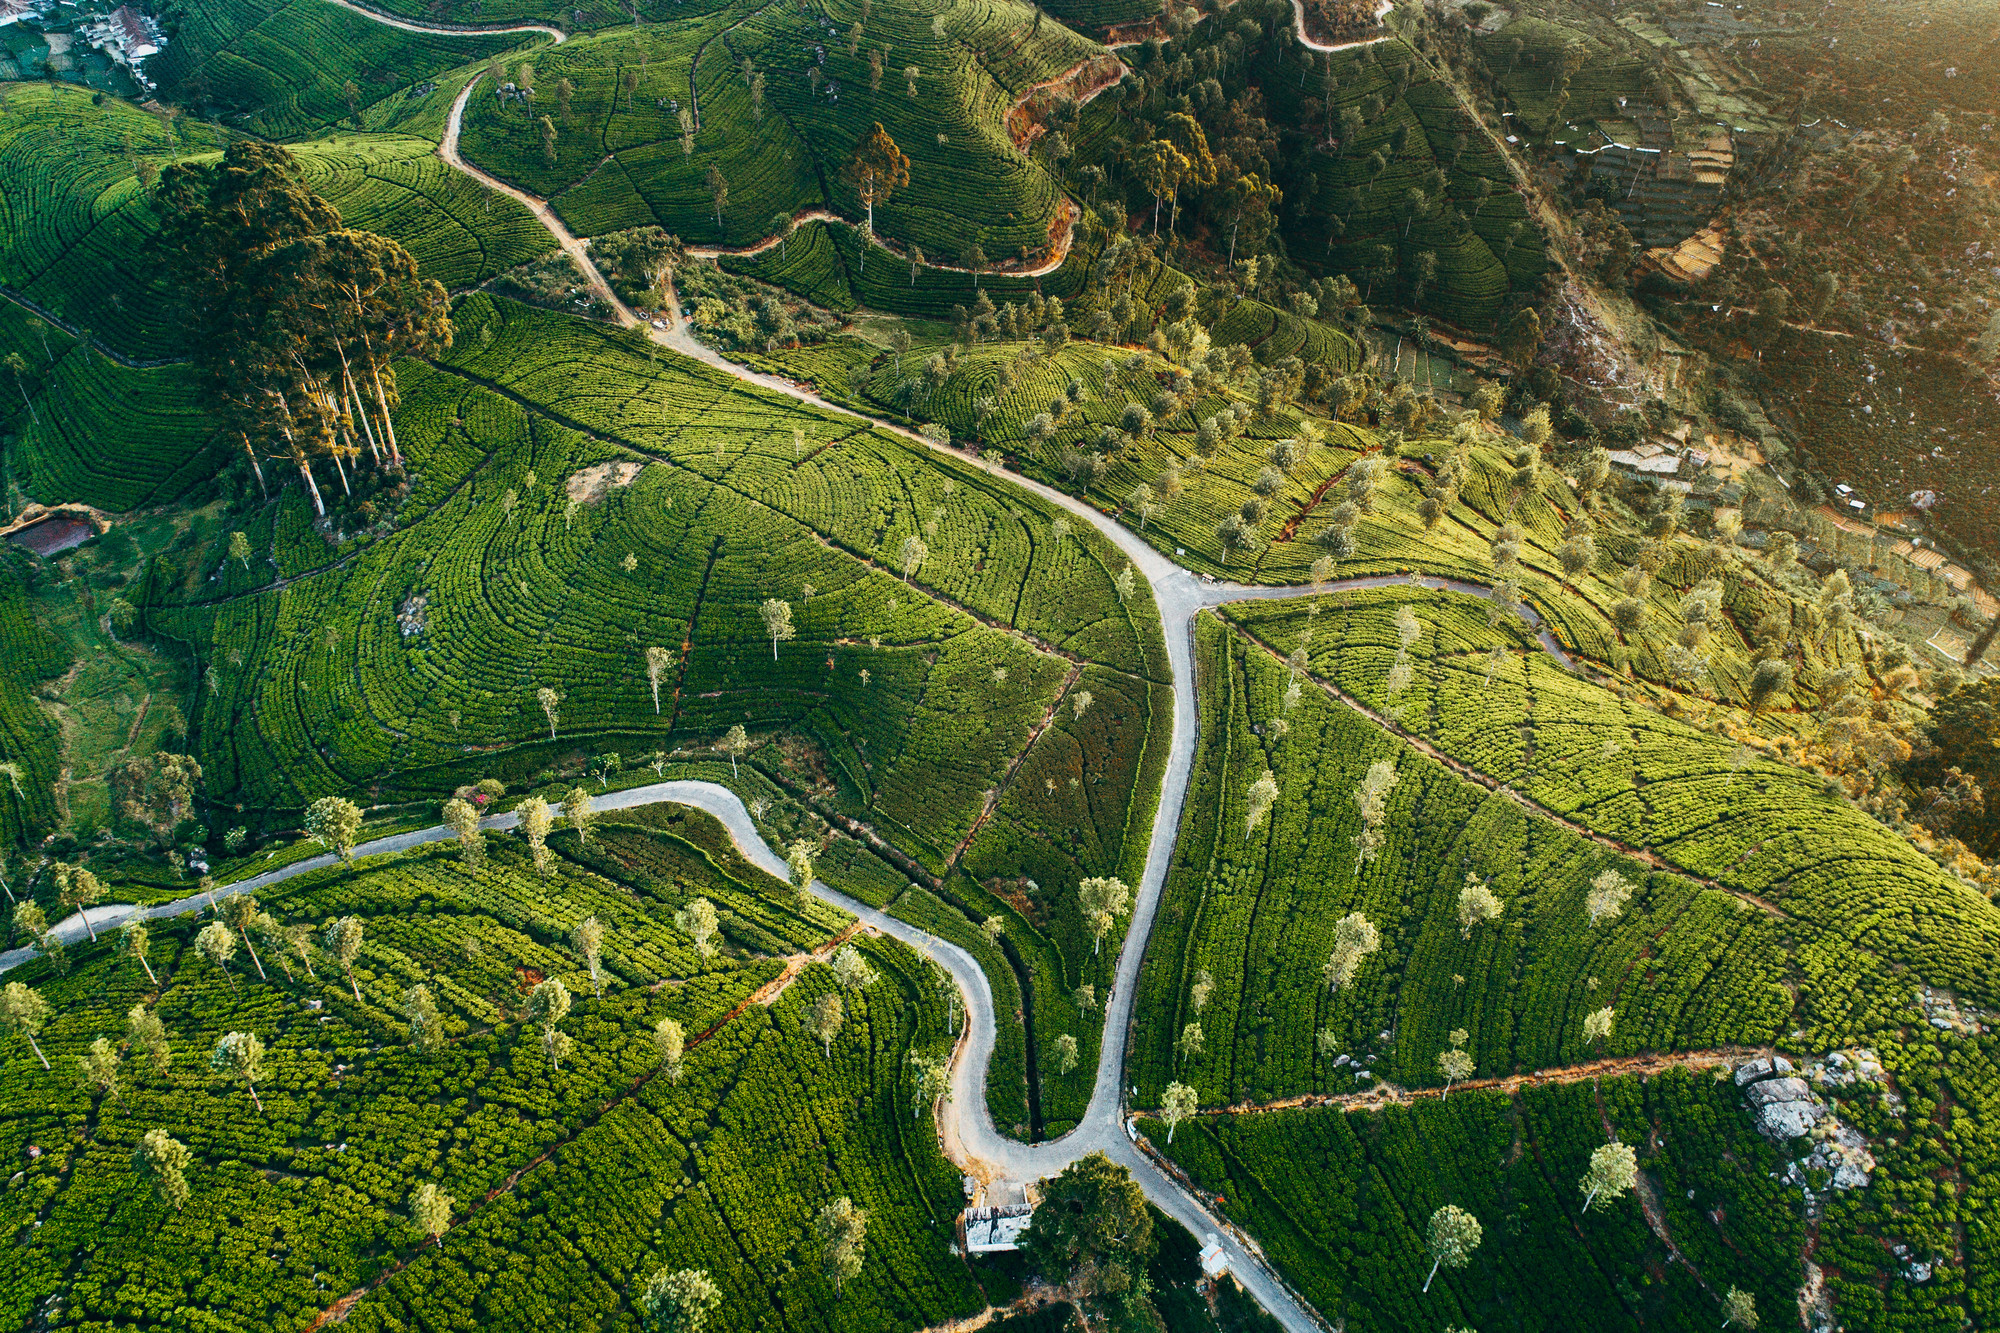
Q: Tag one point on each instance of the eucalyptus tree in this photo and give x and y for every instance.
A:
(145, 1032)
(588, 941)
(776, 614)
(1204, 984)
(218, 946)
(240, 910)
(736, 743)
(77, 889)
(851, 969)
(1263, 794)
(24, 1012)
(658, 661)
(342, 941)
(1455, 1064)
(1103, 899)
(462, 819)
(1372, 796)
(1190, 1044)
(1452, 1237)
(420, 1011)
(162, 1162)
(576, 808)
(1614, 1170)
(930, 1079)
(842, 1230)
(240, 1055)
(678, 1302)
(136, 941)
(537, 820)
(1354, 938)
(97, 1068)
(333, 822)
(799, 858)
(824, 1020)
(1609, 892)
(1477, 903)
(430, 1210)
(670, 1045)
(548, 1005)
(698, 921)
(1179, 1102)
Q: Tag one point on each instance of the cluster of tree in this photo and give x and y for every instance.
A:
(297, 319)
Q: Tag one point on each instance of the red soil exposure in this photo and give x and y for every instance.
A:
(52, 536)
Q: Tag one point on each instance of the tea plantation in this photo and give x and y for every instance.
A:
(777, 99)
(78, 222)
(1231, 568)
(990, 716)
(1684, 967)
(304, 1202)
(279, 68)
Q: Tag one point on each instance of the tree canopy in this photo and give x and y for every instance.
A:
(1092, 1229)
(297, 318)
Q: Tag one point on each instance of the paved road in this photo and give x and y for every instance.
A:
(964, 1120)
(447, 29)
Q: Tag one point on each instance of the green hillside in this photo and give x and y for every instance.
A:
(280, 68)
(761, 1130)
(780, 127)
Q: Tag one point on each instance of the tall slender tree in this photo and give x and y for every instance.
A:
(342, 941)
(162, 1161)
(136, 942)
(240, 1055)
(876, 170)
(23, 1012)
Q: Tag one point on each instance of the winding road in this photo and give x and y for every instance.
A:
(964, 1122)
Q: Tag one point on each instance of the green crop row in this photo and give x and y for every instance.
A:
(1256, 910)
(278, 67)
(1860, 905)
(306, 1202)
(1341, 1203)
(30, 742)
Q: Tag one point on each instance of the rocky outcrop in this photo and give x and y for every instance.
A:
(1786, 1108)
